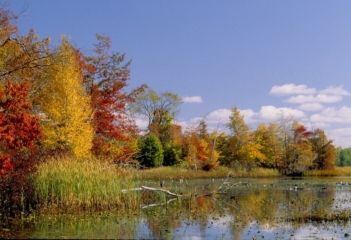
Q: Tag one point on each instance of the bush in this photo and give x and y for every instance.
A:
(172, 156)
(151, 152)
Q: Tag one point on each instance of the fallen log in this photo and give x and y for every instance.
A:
(160, 190)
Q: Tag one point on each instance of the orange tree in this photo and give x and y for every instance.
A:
(19, 131)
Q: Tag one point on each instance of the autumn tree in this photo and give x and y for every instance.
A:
(19, 132)
(240, 145)
(22, 56)
(267, 138)
(105, 79)
(19, 129)
(323, 149)
(66, 108)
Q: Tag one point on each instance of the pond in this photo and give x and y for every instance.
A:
(272, 208)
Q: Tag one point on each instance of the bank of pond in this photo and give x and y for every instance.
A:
(211, 208)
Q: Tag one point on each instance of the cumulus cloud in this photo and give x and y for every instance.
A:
(141, 122)
(194, 99)
(220, 115)
(331, 114)
(332, 90)
(311, 107)
(341, 136)
(320, 98)
(290, 89)
(271, 113)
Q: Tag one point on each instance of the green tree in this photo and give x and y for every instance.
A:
(151, 152)
(159, 109)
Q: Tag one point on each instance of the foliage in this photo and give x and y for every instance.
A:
(240, 145)
(104, 80)
(324, 150)
(19, 130)
(156, 107)
(151, 152)
(198, 147)
(172, 156)
(67, 114)
(343, 157)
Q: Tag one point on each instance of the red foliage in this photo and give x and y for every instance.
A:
(18, 128)
(105, 80)
(5, 165)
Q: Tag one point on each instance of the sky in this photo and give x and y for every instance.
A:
(263, 57)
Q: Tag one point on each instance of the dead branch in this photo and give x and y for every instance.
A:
(158, 204)
(161, 190)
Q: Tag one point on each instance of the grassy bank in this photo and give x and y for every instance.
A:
(171, 173)
(83, 184)
(337, 172)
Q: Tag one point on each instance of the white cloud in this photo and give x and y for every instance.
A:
(321, 98)
(219, 116)
(332, 90)
(342, 115)
(142, 123)
(194, 99)
(289, 89)
(341, 136)
(271, 113)
(311, 107)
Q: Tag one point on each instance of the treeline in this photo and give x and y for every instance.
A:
(57, 100)
(343, 157)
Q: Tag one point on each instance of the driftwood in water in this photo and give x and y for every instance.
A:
(159, 204)
(161, 190)
(218, 191)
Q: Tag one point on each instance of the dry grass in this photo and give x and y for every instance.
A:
(170, 173)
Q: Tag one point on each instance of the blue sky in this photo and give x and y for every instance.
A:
(262, 56)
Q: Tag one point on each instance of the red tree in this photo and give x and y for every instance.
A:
(105, 80)
(18, 129)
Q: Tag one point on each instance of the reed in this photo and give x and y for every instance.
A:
(175, 172)
(337, 172)
(83, 184)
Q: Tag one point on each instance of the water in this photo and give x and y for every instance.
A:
(280, 208)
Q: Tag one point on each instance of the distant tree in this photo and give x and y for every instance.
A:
(324, 150)
(241, 146)
(156, 107)
(151, 152)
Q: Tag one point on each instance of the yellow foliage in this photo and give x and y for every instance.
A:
(66, 107)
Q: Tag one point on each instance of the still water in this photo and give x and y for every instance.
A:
(278, 208)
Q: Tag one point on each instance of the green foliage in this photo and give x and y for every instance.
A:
(343, 157)
(151, 151)
(172, 156)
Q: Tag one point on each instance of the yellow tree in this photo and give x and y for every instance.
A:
(65, 106)
(241, 146)
(267, 138)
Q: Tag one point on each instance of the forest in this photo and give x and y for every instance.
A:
(61, 106)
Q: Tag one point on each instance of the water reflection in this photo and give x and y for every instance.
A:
(268, 208)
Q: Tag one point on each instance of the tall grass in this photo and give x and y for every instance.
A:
(176, 172)
(83, 184)
(338, 171)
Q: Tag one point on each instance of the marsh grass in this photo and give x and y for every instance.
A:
(174, 172)
(337, 172)
(71, 184)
